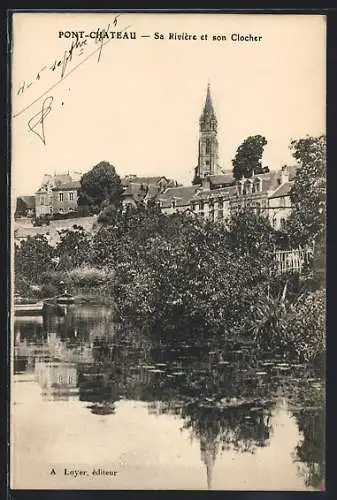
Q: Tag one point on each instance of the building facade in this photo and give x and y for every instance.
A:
(57, 194)
(65, 198)
(279, 200)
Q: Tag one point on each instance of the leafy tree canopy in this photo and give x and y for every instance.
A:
(33, 257)
(100, 185)
(73, 249)
(248, 157)
(308, 194)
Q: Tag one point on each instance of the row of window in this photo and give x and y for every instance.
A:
(211, 204)
(249, 188)
(61, 196)
(46, 200)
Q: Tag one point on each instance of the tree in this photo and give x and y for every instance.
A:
(33, 257)
(73, 249)
(253, 233)
(308, 194)
(248, 157)
(100, 185)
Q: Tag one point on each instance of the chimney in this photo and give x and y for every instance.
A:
(284, 174)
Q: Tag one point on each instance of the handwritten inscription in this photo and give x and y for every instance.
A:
(36, 123)
(66, 64)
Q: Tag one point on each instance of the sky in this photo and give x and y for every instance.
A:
(138, 104)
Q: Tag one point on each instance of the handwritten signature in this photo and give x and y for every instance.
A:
(36, 123)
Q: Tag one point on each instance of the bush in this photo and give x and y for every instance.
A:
(296, 330)
(88, 277)
(85, 276)
(306, 326)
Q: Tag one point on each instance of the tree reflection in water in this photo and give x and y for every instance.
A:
(308, 410)
(223, 395)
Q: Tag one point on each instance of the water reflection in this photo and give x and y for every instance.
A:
(224, 399)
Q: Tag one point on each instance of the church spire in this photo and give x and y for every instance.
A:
(208, 108)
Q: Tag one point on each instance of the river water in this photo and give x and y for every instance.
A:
(93, 407)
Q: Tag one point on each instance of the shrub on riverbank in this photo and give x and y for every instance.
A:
(305, 328)
(89, 277)
(81, 277)
(294, 328)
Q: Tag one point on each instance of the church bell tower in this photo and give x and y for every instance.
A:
(208, 142)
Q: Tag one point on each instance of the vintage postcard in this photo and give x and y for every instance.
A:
(168, 183)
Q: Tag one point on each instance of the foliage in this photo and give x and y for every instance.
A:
(73, 248)
(107, 215)
(305, 326)
(308, 194)
(81, 277)
(248, 157)
(123, 233)
(101, 184)
(33, 257)
(296, 328)
(252, 233)
(177, 275)
(267, 322)
(88, 277)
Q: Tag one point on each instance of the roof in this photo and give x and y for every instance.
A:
(283, 190)
(269, 180)
(221, 179)
(154, 180)
(181, 194)
(28, 200)
(152, 191)
(225, 192)
(69, 185)
(133, 189)
(61, 179)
